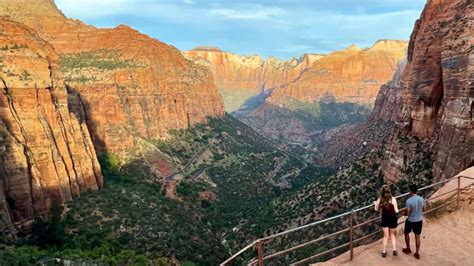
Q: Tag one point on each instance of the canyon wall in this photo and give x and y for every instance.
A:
(70, 91)
(351, 75)
(388, 101)
(437, 92)
(46, 153)
(240, 77)
(132, 86)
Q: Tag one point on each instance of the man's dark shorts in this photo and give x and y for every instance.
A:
(413, 226)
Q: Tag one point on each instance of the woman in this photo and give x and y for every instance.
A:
(388, 204)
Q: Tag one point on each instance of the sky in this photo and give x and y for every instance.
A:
(281, 28)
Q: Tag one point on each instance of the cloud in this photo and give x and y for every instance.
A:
(257, 12)
(284, 28)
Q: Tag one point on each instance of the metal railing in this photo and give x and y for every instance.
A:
(304, 244)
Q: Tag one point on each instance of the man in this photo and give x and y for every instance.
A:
(415, 206)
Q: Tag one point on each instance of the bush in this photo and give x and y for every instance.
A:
(50, 233)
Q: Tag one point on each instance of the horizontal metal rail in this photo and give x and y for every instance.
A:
(369, 235)
(455, 192)
(306, 244)
(238, 253)
(367, 222)
(320, 254)
(305, 226)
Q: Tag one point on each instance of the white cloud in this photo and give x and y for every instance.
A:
(257, 12)
(279, 27)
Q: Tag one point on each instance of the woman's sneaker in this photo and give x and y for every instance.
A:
(395, 253)
(384, 254)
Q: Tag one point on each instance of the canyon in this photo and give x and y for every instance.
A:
(115, 88)
(134, 79)
(162, 156)
(351, 75)
(298, 100)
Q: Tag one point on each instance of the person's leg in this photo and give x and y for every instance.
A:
(418, 242)
(407, 231)
(386, 235)
(407, 241)
(417, 230)
(393, 237)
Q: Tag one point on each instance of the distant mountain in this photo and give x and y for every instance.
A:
(299, 99)
(241, 77)
(350, 75)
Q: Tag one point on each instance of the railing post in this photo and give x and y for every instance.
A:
(459, 192)
(260, 253)
(351, 234)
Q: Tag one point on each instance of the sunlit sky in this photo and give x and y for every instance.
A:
(282, 28)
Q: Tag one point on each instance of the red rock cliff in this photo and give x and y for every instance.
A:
(46, 153)
(388, 101)
(133, 86)
(352, 75)
(239, 77)
(437, 90)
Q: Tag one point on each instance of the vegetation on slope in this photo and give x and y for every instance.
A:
(307, 120)
(233, 186)
(228, 177)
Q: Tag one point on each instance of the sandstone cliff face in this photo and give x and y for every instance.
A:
(240, 77)
(388, 101)
(437, 91)
(353, 75)
(132, 86)
(46, 153)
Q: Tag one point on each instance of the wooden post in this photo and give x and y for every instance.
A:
(260, 253)
(351, 234)
(459, 192)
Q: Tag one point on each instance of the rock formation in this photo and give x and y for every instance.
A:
(46, 153)
(240, 77)
(351, 75)
(132, 86)
(437, 91)
(388, 101)
(69, 90)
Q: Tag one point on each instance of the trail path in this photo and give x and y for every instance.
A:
(447, 240)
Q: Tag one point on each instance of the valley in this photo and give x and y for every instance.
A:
(117, 148)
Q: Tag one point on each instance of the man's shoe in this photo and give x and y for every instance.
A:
(384, 254)
(417, 256)
(406, 250)
(395, 253)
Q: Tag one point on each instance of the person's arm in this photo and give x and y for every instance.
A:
(395, 205)
(377, 204)
(424, 205)
(407, 209)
